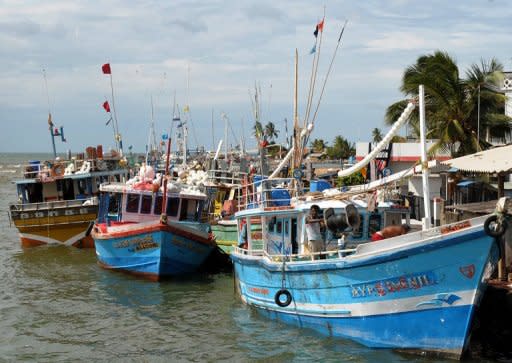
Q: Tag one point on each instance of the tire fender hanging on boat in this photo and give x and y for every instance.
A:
(500, 223)
(279, 294)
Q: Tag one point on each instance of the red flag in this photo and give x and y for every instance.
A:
(106, 106)
(321, 26)
(106, 68)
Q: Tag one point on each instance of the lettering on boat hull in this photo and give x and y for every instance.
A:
(394, 285)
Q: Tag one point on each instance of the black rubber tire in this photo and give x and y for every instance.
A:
(500, 231)
(288, 300)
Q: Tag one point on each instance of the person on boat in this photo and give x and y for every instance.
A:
(390, 231)
(242, 239)
(314, 225)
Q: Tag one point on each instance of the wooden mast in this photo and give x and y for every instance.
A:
(296, 132)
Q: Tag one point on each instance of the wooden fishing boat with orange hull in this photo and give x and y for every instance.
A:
(57, 199)
(64, 223)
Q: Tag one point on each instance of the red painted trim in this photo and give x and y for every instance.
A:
(156, 227)
(29, 242)
(146, 275)
(86, 242)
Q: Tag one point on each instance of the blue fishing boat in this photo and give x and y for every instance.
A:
(417, 291)
(149, 233)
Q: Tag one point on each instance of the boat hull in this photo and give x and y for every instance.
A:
(419, 298)
(61, 226)
(226, 234)
(152, 250)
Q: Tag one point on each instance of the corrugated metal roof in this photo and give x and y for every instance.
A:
(495, 160)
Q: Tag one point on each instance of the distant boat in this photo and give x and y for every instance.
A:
(132, 236)
(57, 199)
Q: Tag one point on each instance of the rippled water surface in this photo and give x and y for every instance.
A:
(57, 304)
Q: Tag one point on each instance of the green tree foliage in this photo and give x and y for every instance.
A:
(270, 131)
(352, 179)
(318, 145)
(376, 135)
(341, 148)
(398, 138)
(451, 103)
(258, 130)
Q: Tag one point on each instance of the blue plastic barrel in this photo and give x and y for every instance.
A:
(257, 179)
(319, 185)
(280, 197)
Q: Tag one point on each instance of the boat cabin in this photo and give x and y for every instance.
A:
(284, 227)
(121, 204)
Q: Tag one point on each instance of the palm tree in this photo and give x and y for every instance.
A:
(258, 130)
(377, 135)
(318, 145)
(341, 148)
(270, 131)
(451, 102)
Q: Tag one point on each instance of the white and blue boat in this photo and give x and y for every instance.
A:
(132, 235)
(415, 292)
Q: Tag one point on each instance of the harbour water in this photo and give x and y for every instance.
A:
(57, 304)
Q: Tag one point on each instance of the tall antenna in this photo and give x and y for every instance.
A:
(213, 133)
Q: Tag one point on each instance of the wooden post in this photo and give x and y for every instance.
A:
(501, 185)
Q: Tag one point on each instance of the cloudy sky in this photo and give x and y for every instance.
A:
(211, 53)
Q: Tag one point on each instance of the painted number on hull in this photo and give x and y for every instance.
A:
(137, 244)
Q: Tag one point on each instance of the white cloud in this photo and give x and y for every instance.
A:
(228, 47)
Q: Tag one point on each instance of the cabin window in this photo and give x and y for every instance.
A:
(200, 206)
(158, 205)
(279, 226)
(286, 227)
(34, 193)
(145, 205)
(68, 190)
(188, 210)
(271, 224)
(113, 203)
(82, 187)
(173, 205)
(132, 203)
(374, 224)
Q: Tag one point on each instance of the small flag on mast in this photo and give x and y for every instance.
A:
(319, 28)
(313, 50)
(106, 68)
(106, 106)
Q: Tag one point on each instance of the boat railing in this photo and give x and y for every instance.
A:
(54, 204)
(227, 176)
(52, 168)
(265, 193)
(313, 256)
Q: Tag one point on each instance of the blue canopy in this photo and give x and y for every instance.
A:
(465, 183)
